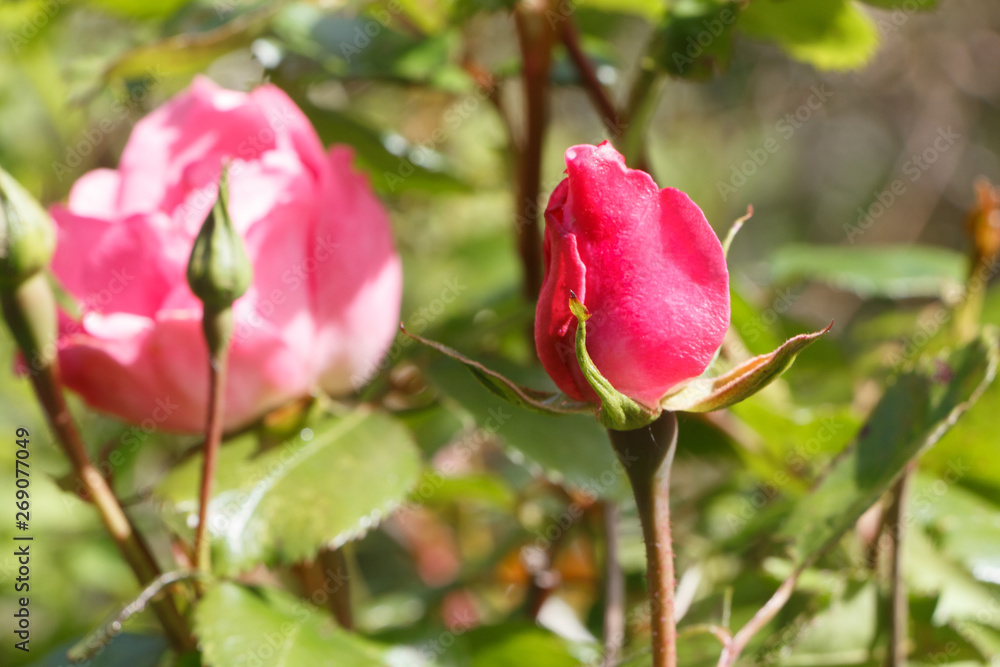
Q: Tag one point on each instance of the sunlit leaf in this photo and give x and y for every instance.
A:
(828, 34)
(281, 505)
(929, 572)
(913, 415)
(509, 645)
(389, 173)
(146, 9)
(240, 625)
(571, 448)
(189, 52)
(874, 271)
(909, 6)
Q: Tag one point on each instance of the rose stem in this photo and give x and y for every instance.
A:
(896, 603)
(216, 327)
(614, 588)
(647, 455)
(610, 116)
(535, 38)
(896, 609)
(22, 309)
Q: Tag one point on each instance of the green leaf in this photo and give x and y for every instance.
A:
(964, 523)
(126, 650)
(283, 504)
(381, 45)
(189, 52)
(828, 34)
(389, 173)
(463, 10)
(486, 489)
(647, 9)
(707, 394)
(511, 646)
(964, 452)
(842, 633)
(909, 6)
(573, 449)
(431, 16)
(894, 272)
(759, 335)
(912, 415)
(240, 625)
(147, 9)
(694, 39)
(545, 402)
(930, 572)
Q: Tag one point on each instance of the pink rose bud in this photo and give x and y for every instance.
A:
(649, 270)
(323, 305)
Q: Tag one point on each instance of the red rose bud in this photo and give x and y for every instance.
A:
(647, 267)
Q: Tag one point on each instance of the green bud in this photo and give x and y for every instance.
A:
(618, 412)
(27, 236)
(219, 271)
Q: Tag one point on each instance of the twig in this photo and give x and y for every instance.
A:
(91, 645)
(610, 116)
(763, 616)
(896, 603)
(717, 631)
(535, 38)
(614, 588)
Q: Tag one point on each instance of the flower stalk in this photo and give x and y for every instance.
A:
(29, 309)
(647, 454)
(218, 273)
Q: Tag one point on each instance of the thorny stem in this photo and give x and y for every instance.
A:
(647, 454)
(20, 306)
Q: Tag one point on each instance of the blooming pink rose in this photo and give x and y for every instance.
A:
(324, 303)
(648, 267)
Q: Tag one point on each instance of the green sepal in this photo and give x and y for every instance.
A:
(219, 271)
(617, 411)
(545, 402)
(708, 394)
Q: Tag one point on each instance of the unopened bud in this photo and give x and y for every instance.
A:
(27, 236)
(219, 271)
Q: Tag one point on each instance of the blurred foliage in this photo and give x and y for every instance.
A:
(826, 115)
